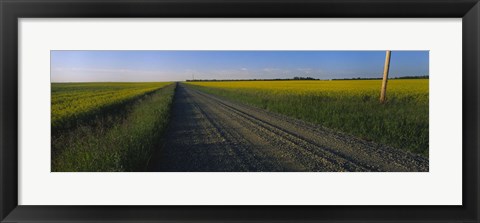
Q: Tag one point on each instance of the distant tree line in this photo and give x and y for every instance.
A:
(309, 78)
(379, 78)
(413, 77)
(304, 78)
(275, 79)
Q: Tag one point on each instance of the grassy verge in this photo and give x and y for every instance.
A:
(347, 106)
(117, 142)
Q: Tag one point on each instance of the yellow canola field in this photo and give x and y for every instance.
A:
(77, 100)
(350, 106)
(398, 86)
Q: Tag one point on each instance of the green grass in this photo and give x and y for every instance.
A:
(115, 140)
(348, 106)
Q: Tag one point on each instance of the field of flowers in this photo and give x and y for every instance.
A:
(112, 126)
(350, 106)
(73, 102)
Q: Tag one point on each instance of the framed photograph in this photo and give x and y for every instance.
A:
(228, 111)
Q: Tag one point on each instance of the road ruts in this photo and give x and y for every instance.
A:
(210, 134)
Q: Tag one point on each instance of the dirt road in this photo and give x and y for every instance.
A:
(209, 134)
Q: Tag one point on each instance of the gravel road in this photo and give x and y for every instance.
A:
(210, 134)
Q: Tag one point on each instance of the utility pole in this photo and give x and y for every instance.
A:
(386, 68)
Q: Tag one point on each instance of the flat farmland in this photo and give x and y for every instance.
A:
(107, 126)
(241, 111)
(77, 101)
(348, 106)
(246, 126)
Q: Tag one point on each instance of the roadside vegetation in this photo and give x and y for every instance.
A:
(350, 106)
(107, 126)
(78, 102)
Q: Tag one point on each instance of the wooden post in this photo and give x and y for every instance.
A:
(386, 68)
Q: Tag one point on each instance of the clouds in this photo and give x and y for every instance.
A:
(241, 73)
(100, 70)
(76, 74)
(250, 73)
(90, 66)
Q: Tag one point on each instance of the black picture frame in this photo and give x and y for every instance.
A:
(12, 10)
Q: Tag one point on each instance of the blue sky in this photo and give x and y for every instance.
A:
(102, 66)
